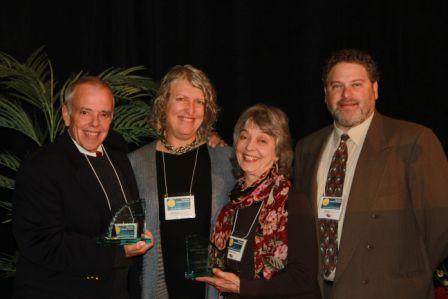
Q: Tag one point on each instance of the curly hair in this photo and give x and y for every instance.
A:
(274, 122)
(352, 56)
(198, 79)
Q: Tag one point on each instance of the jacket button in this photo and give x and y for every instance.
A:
(374, 216)
(369, 246)
(365, 281)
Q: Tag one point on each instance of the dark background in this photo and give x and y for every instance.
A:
(253, 51)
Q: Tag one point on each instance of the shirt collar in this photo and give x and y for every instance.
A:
(84, 151)
(357, 134)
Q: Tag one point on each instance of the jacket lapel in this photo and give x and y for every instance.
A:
(85, 178)
(368, 173)
(322, 141)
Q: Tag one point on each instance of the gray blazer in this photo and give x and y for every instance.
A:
(143, 162)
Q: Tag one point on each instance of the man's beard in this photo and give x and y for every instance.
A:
(354, 119)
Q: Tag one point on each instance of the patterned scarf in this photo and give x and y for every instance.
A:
(271, 237)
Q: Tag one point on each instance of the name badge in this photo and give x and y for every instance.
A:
(236, 248)
(330, 207)
(179, 207)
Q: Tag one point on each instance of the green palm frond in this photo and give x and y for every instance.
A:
(33, 82)
(8, 264)
(39, 62)
(130, 121)
(68, 82)
(22, 82)
(7, 60)
(59, 123)
(6, 182)
(9, 160)
(7, 205)
(126, 85)
(13, 116)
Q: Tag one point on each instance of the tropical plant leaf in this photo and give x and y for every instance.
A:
(9, 160)
(8, 264)
(24, 88)
(127, 85)
(58, 125)
(7, 205)
(22, 82)
(33, 82)
(68, 82)
(39, 62)
(8, 219)
(6, 182)
(130, 120)
(13, 116)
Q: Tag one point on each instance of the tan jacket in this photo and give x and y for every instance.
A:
(395, 230)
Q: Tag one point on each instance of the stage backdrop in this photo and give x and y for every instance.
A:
(253, 52)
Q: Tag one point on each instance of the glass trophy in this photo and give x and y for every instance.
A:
(197, 257)
(127, 225)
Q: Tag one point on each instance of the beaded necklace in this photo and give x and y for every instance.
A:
(181, 149)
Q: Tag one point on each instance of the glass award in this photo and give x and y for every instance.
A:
(197, 257)
(127, 226)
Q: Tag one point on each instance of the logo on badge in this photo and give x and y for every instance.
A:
(325, 201)
(171, 203)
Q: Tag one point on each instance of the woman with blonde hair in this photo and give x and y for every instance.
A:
(183, 181)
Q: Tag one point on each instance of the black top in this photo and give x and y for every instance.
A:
(110, 182)
(245, 268)
(299, 279)
(179, 169)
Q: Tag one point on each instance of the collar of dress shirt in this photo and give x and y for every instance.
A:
(357, 134)
(86, 152)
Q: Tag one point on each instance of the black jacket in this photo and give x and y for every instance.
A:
(59, 211)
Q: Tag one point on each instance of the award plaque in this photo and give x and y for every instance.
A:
(197, 257)
(127, 226)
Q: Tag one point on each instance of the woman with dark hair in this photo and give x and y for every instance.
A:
(183, 181)
(265, 240)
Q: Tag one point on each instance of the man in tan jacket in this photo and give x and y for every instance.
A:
(379, 187)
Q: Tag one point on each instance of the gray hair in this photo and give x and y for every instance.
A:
(69, 93)
(274, 122)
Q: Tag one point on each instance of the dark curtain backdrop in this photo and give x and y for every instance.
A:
(253, 51)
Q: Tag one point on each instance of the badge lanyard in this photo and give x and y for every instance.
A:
(179, 207)
(237, 245)
(101, 184)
